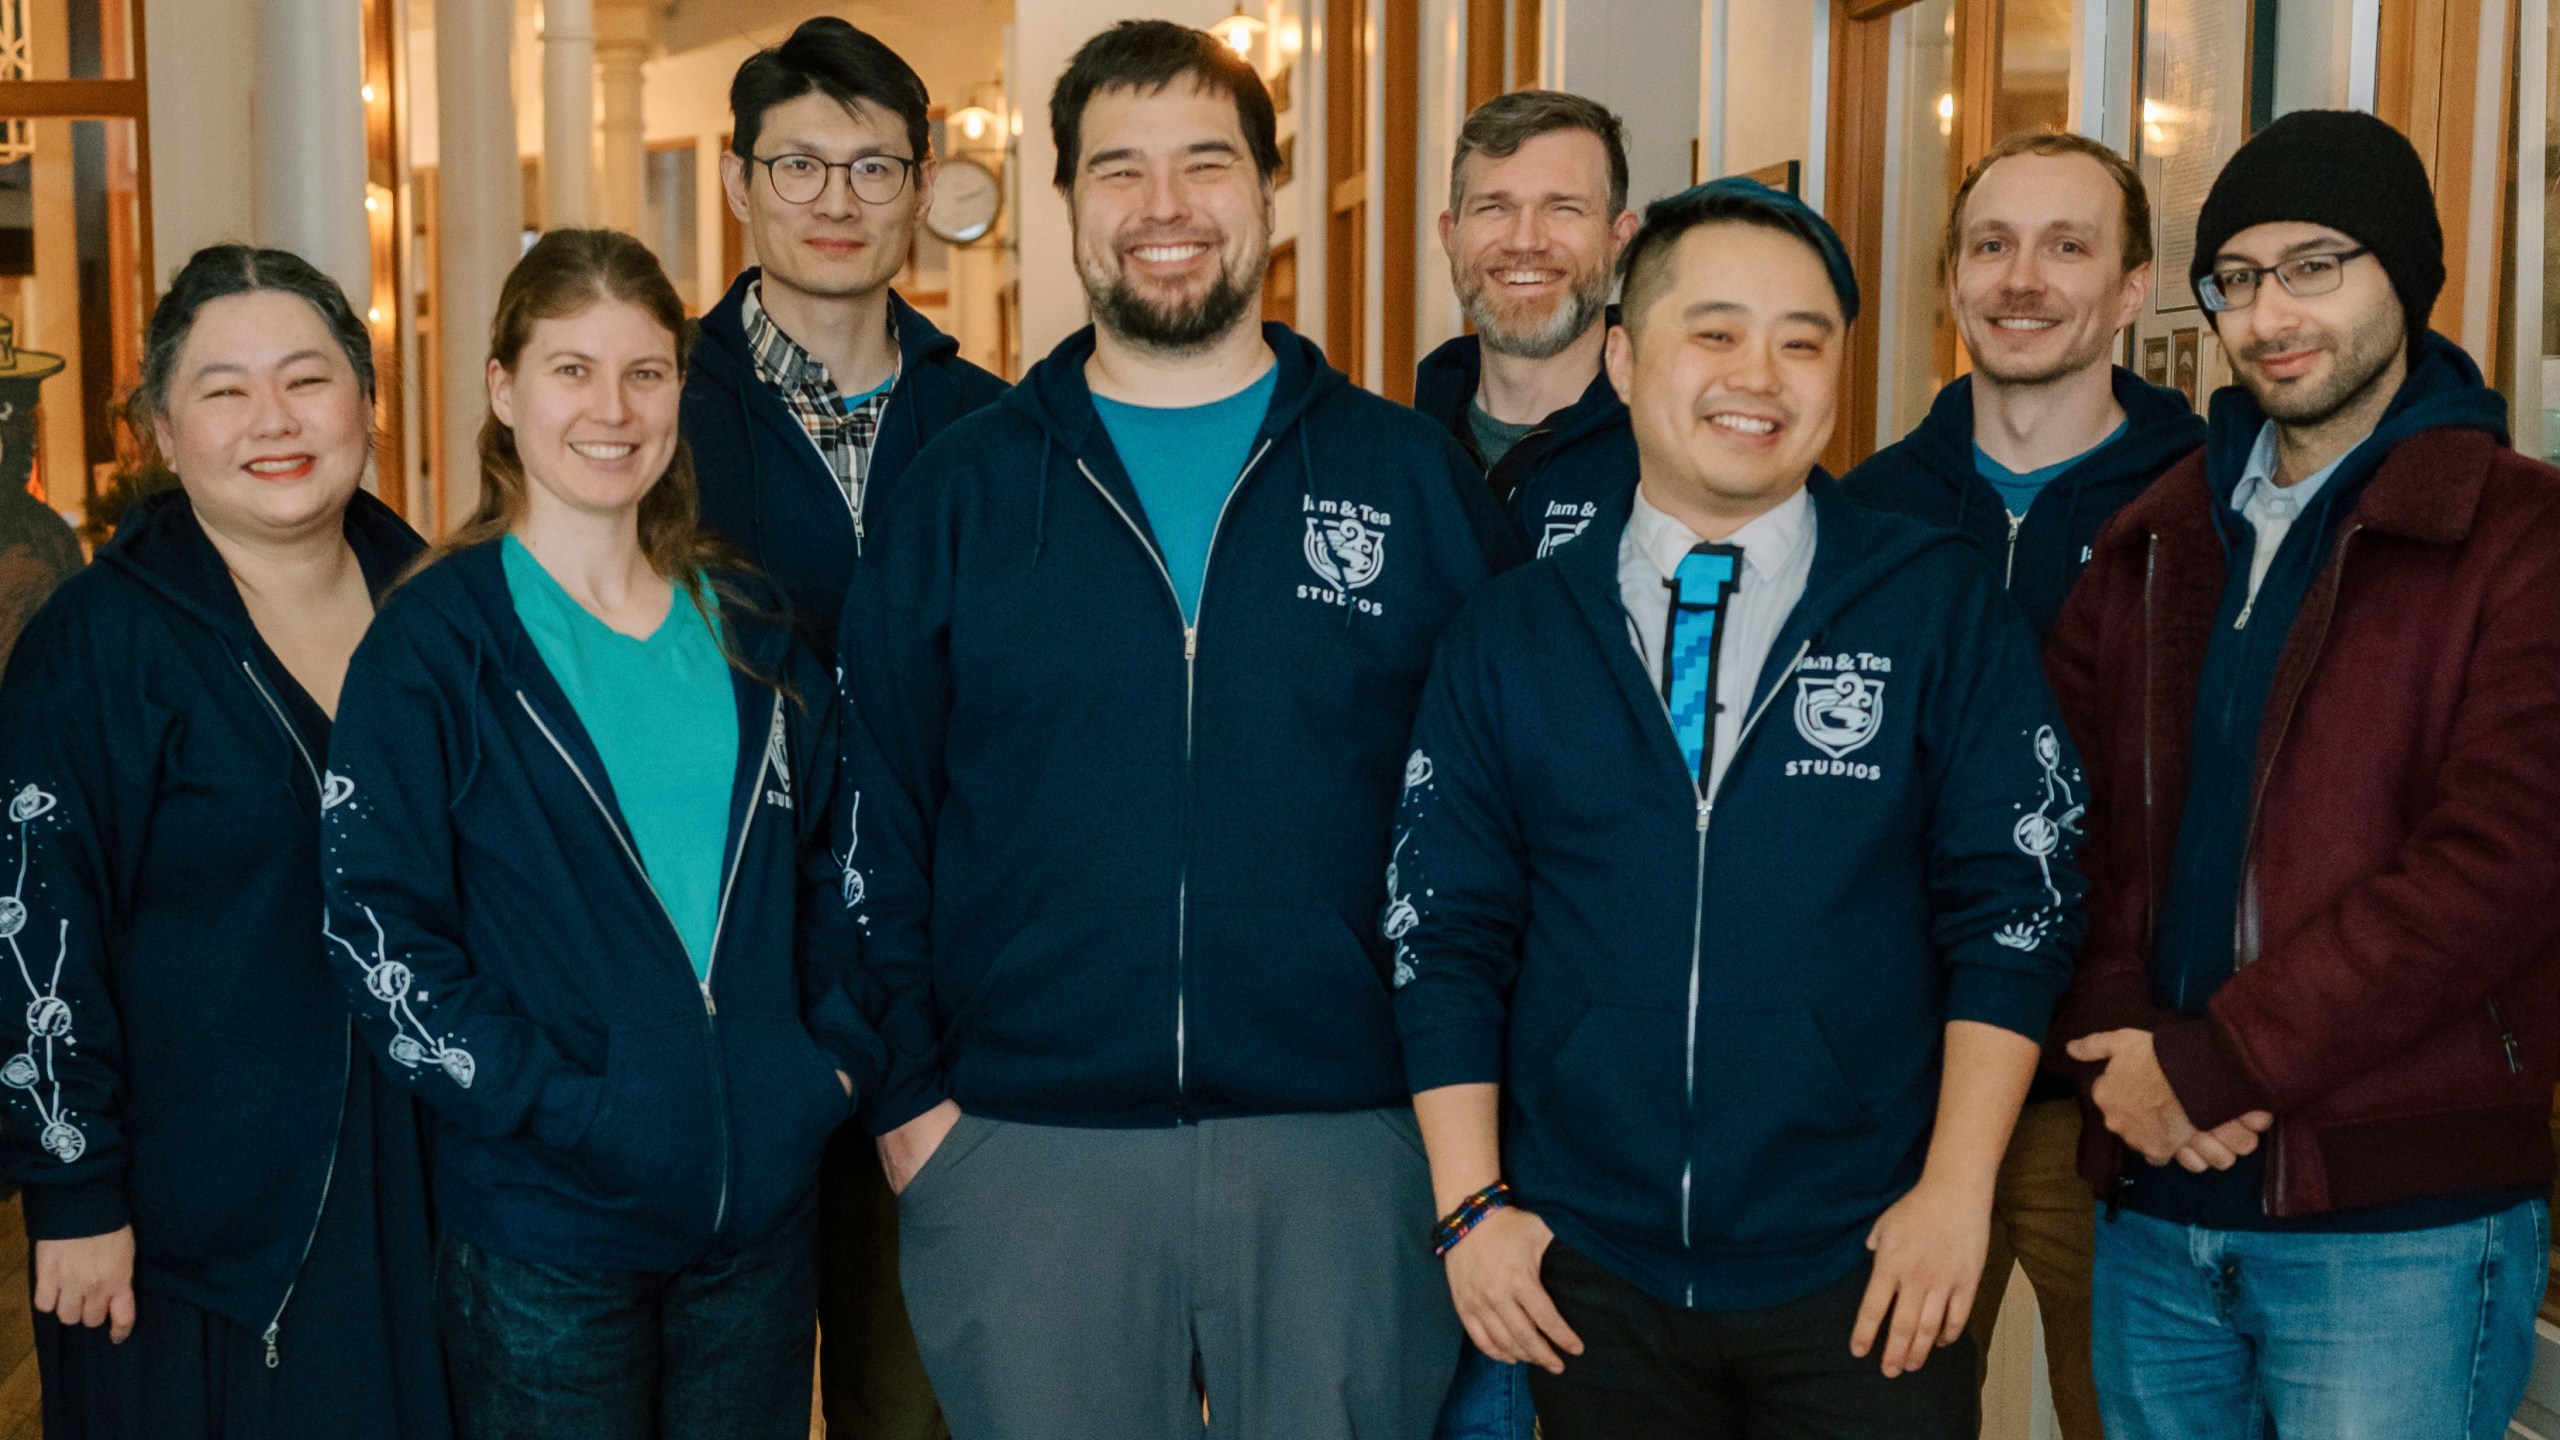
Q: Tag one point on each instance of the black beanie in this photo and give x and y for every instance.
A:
(2348, 171)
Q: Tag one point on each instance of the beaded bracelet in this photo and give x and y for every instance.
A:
(1470, 1213)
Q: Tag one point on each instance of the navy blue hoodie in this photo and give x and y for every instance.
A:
(596, 1104)
(1118, 871)
(1718, 1020)
(765, 487)
(1930, 475)
(186, 1053)
(1563, 472)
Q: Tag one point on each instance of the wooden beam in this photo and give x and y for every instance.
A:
(1399, 199)
(1855, 200)
(76, 99)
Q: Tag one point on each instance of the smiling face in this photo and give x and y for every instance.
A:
(2038, 285)
(1732, 372)
(1172, 221)
(835, 247)
(592, 402)
(265, 422)
(1532, 244)
(2306, 358)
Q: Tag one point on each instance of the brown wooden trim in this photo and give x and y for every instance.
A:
(142, 160)
(1977, 80)
(77, 99)
(1485, 34)
(1348, 191)
(1863, 10)
(1860, 69)
(1399, 201)
(1524, 44)
(1346, 101)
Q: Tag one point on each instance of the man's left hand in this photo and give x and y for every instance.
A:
(1929, 1250)
(2133, 1096)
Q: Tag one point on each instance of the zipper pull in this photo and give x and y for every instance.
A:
(709, 1005)
(1190, 642)
(2506, 1038)
(2246, 606)
(1706, 811)
(273, 1359)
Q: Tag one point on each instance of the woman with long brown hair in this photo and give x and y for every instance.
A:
(581, 890)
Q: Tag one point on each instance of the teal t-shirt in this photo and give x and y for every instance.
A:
(1183, 462)
(2019, 488)
(664, 716)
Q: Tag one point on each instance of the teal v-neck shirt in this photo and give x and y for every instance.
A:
(664, 716)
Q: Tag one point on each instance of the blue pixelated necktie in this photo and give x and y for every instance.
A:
(1705, 580)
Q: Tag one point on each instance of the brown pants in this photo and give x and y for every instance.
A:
(871, 1380)
(2043, 1219)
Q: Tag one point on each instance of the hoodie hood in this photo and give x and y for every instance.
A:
(162, 545)
(2444, 390)
(1444, 385)
(1054, 392)
(2159, 427)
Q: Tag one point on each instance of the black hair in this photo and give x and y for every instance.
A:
(1728, 201)
(218, 271)
(827, 56)
(1149, 55)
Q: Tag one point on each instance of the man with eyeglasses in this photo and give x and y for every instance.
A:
(813, 383)
(812, 386)
(2315, 671)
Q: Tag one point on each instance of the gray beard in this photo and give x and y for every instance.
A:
(1545, 340)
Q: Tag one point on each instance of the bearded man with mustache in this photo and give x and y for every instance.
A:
(1536, 220)
(2316, 672)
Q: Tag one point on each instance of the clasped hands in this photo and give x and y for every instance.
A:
(2134, 1098)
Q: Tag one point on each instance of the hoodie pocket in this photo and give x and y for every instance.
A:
(1601, 1123)
(784, 1101)
(1785, 1148)
(1081, 991)
(1287, 1009)
(658, 1120)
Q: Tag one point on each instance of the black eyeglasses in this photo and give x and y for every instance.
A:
(2235, 287)
(800, 179)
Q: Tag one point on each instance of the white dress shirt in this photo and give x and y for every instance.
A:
(1777, 555)
(2270, 508)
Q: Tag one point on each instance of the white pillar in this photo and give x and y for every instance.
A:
(568, 113)
(308, 191)
(623, 43)
(479, 220)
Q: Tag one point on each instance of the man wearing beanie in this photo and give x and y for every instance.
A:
(1731, 891)
(2317, 672)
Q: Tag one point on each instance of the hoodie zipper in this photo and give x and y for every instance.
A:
(328, 1176)
(710, 1007)
(1697, 942)
(1190, 692)
(2009, 567)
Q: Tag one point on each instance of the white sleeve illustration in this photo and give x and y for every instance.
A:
(393, 983)
(2038, 835)
(48, 1015)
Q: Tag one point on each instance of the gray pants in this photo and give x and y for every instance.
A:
(1072, 1284)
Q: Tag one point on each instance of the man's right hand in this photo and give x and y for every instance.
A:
(88, 1281)
(1493, 1277)
(905, 1150)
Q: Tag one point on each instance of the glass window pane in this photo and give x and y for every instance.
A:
(67, 39)
(1922, 147)
(670, 215)
(2035, 67)
(72, 303)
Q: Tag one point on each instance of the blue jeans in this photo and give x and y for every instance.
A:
(721, 1350)
(2227, 1334)
(1488, 1401)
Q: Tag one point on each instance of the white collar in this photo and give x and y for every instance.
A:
(1767, 543)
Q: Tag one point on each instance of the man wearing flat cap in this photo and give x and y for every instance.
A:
(2316, 672)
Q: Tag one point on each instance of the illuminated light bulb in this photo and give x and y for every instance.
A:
(368, 94)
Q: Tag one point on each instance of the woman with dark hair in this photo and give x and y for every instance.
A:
(228, 1210)
(582, 890)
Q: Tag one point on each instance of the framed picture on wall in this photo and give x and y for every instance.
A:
(2182, 363)
(2155, 359)
(2196, 71)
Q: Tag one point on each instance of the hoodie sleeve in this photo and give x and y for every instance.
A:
(391, 922)
(2005, 806)
(894, 654)
(1457, 883)
(78, 806)
(829, 944)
